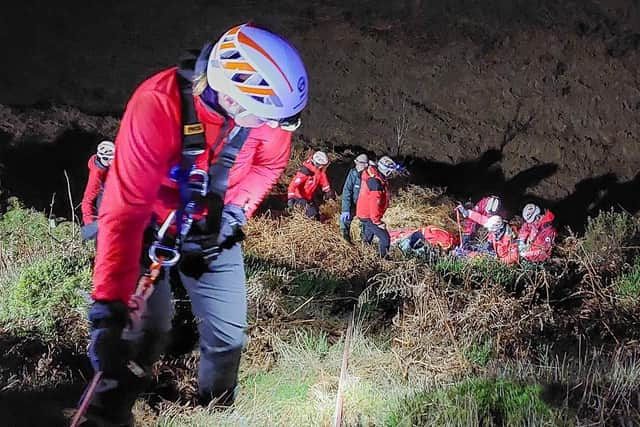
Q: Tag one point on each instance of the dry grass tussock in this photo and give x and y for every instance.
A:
(307, 245)
(415, 206)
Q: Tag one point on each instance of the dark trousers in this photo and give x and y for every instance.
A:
(218, 302)
(310, 209)
(371, 230)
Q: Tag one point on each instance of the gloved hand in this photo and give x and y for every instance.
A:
(463, 211)
(345, 217)
(233, 219)
(108, 352)
(89, 231)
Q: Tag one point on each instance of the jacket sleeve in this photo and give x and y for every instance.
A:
(542, 246)
(324, 182)
(470, 225)
(347, 192)
(267, 156)
(376, 200)
(477, 218)
(297, 182)
(149, 134)
(91, 192)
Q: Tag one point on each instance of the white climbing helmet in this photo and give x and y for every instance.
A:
(105, 152)
(494, 224)
(261, 71)
(530, 212)
(386, 166)
(320, 158)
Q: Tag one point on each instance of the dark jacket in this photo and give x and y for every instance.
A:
(351, 190)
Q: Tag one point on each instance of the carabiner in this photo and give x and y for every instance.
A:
(201, 182)
(164, 255)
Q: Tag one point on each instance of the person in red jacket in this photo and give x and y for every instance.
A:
(306, 181)
(248, 90)
(98, 167)
(501, 236)
(537, 235)
(487, 206)
(373, 201)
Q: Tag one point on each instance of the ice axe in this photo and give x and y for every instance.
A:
(137, 307)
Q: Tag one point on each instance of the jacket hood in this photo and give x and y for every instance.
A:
(548, 217)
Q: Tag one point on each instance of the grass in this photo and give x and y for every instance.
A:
(627, 288)
(44, 268)
(475, 402)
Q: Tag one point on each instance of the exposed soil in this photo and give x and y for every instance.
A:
(537, 99)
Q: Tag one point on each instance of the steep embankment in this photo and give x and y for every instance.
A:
(535, 97)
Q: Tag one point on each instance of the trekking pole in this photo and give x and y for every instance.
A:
(137, 306)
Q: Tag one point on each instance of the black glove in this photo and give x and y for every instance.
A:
(329, 195)
(464, 244)
(108, 352)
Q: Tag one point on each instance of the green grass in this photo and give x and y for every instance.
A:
(44, 270)
(480, 354)
(627, 288)
(474, 402)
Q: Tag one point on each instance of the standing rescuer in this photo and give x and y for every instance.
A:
(98, 167)
(188, 165)
(350, 192)
(373, 202)
(305, 182)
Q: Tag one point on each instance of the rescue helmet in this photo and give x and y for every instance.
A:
(530, 212)
(493, 205)
(260, 70)
(494, 224)
(361, 162)
(320, 159)
(105, 152)
(386, 166)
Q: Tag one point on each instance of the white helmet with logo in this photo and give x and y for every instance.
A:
(386, 166)
(494, 224)
(530, 212)
(261, 71)
(105, 152)
(320, 158)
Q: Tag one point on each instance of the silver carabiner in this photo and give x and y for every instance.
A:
(201, 184)
(167, 261)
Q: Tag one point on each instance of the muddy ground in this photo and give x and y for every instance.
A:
(537, 99)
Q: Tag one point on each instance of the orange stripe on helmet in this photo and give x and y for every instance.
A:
(233, 30)
(252, 90)
(237, 65)
(242, 38)
(228, 45)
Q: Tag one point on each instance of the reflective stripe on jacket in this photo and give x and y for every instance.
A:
(306, 181)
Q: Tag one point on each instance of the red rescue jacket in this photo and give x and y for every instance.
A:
(306, 181)
(481, 207)
(539, 238)
(373, 200)
(434, 235)
(506, 248)
(149, 145)
(93, 190)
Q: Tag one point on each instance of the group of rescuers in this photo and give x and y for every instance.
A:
(198, 148)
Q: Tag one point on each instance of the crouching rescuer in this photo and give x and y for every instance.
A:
(199, 146)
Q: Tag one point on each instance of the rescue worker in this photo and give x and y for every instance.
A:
(373, 201)
(250, 79)
(537, 235)
(487, 206)
(501, 236)
(305, 182)
(350, 192)
(98, 167)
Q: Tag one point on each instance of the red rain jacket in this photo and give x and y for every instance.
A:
(149, 144)
(373, 199)
(506, 247)
(95, 185)
(480, 207)
(432, 234)
(539, 238)
(306, 181)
